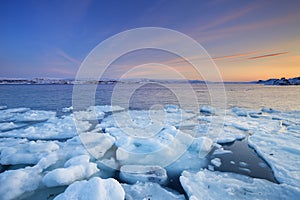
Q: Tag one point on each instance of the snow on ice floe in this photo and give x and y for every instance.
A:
(3, 107)
(216, 162)
(134, 173)
(7, 126)
(149, 191)
(67, 109)
(94, 189)
(97, 144)
(14, 183)
(77, 168)
(221, 185)
(208, 109)
(26, 152)
(281, 150)
(53, 128)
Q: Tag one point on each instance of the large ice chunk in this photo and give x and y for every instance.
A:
(14, 183)
(77, 168)
(53, 128)
(281, 151)
(221, 185)
(149, 191)
(97, 144)
(133, 173)
(94, 189)
(27, 152)
(163, 149)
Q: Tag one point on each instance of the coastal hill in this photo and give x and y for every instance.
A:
(282, 81)
(70, 81)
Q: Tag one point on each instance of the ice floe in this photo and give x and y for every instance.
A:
(221, 185)
(14, 183)
(134, 173)
(216, 162)
(93, 189)
(27, 152)
(77, 168)
(281, 150)
(149, 190)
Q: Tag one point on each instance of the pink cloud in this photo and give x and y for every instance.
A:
(268, 55)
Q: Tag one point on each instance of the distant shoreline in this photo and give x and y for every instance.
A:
(56, 81)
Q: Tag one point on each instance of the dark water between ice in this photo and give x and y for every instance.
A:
(56, 97)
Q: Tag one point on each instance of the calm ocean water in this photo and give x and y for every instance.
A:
(56, 97)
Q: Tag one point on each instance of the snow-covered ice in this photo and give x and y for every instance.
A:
(208, 109)
(27, 152)
(147, 146)
(140, 173)
(77, 168)
(93, 189)
(216, 162)
(14, 183)
(221, 185)
(281, 150)
(149, 191)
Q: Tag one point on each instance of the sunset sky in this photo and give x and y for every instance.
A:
(248, 40)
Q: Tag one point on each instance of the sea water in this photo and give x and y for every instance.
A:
(56, 97)
(147, 95)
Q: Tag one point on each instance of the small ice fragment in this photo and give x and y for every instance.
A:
(216, 162)
(217, 145)
(208, 109)
(240, 112)
(211, 168)
(232, 162)
(241, 126)
(171, 108)
(3, 107)
(221, 151)
(17, 110)
(243, 164)
(225, 140)
(107, 108)
(269, 110)
(67, 109)
(245, 169)
(261, 164)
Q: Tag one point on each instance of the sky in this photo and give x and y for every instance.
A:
(248, 40)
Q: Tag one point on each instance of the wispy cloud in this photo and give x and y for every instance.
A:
(68, 58)
(261, 24)
(62, 71)
(229, 17)
(268, 55)
(239, 55)
(220, 32)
